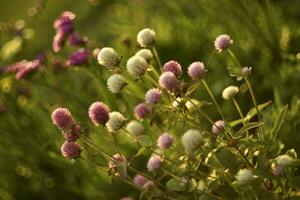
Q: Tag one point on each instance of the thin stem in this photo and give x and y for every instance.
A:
(245, 158)
(241, 114)
(114, 143)
(153, 49)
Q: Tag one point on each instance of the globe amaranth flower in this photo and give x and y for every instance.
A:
(146, 54)
(27, 69)
(142, 182)
(230, 92)
(154, 163)
(153, 96)
(146, 38)
(72, 134)
(136, 128)
(115, 122)
(284, 160)
(191, 140)
(165, 141)
(79, 57)
(75, 39)
(115, 83)
(64, 23)
(99, 113)
(62, 118)
(109, 58)
(217, 127)
(196, 70)
(168, 81)
(136, 66)
(58, 41)
(70, 149)
(223, 42)
(244, 175)
(142, 110)
(174, 67)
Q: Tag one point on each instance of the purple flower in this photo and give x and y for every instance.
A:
(64, 23)
(142, 110)
(25, 70)
(174, 67)
(218, 127)
(79, 57)
(142, 182)
(73, 134)
(153, 96)
(154, 163)
(223, 42)
(58, 41)
(70, 149)
(62, 118)
(168, 81)
(165, 141)
(76, 40)
(196, 70)
(99, 113)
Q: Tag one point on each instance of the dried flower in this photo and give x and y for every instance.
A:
(174, 67)
(79, 57)
(146, 38)
(154, 163)
(230, 92)
(218, 127)
(146, 54)
(136, 128)
(168, 81)
(142, 110)
(153, 96)
(70, 149)
(244, 175)
(62, 118)
(223, 42)
(136, 66)
(284, 160)
(196, 70)
(115, 122)
(99, 113)
(116, 83)
(109, 58)
(191, 140)
(165, 141)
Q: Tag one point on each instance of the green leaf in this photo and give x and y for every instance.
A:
(227, 158)
(176, 185)
(249, 126)
(192, 185)
(278, 122)
(207, 196)
(145, 140)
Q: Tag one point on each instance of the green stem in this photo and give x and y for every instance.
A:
(153, 49)
(241, 114)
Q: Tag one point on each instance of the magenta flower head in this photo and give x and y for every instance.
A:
(79, 57)
(154, 163)
(174, 67)
(196, 70)
(62, 118)
(142, 182)
(223, 42)
(165, 141)
(70, 149)
(218, 127)
(142, 110)
(64, 23)
(153, 96)
(99, 113)
(72, 134)
(58, 41)
(27, 69)
(75, 39)
(168, 81)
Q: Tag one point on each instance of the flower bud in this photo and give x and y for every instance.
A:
(165, 141)
(136, 66)
(115, 122)
(146, 54)
(99, 113)
(154, 163)
(73, 134)
(142, 110)
(146, 37)
(108, 57)
(62, 118)
(141, 181)
(230, 92)
(218, 127)
(196, 70)
(116, 83)
(223, 42)
(79, 57)
(136, 128)
(174, 67)
(75, 39)
(168, 81)
(70, 149)
(191, 140)
(153, 96)
(244, 175)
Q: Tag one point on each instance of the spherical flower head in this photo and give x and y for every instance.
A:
(99, 113)
(75, 39)
(64, 23)
(165, 141)
(218, 127)
(115, 83)
(136, 128)
(146, 38)
(142, 110)
(223, 42)
(79, 57)
(115, 122)
(136, 66)
(27, 69)
(142, 182)
(196, 70)
(73, 134)
(109, 58)
(278, 170)
(153, 96)
(58, 42)
(244, 175)
(70, 149)
(154, 163)
(168, 81)
(62, 118)
(284, 160)
(146, 54)
(174, 67)
(191, 140)
(230, 92)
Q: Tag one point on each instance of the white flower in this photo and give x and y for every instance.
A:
(146, 54)
(115, 122)
(192, 104)
(284, 160)
(108, 57)
(230, 92)
(115, 83)
(191, 140)
(136, 66)
(244, 175)
(146, 37)
(135, 127)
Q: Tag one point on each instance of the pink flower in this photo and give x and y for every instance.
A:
(165, 141)
(73, 134)
(142, 110)
(62, 118)
(153, 96)
(79, 57)
(196, 70)
(218, 127)
(154, 163)
(70, 149)
(168, 81)
(174, 67)
(99, 113)
(223, 42)
(142, 182)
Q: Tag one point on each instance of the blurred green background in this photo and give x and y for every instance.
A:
(266, 36)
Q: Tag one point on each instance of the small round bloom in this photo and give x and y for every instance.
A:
(174, 67)
(75, 39)
(168, 81)
(142, 110)
(58, 41)
(284, 160)
(278, 170)
(223, 42)
(196, 70)
(73, 134)
(244, 175)
(135, 127)
(165, 141)
(108, 57)
(115, 83)
(146, 54)
(99, 113)
(136, 66)
(115, 122)
(246, 71)
(142, 182)
(154, 163)
(230, 92)
(62, 118)
(79, 57)
(146, 37)
(64, 23)
(191, 140)
(70, 149)
(218, 127)
(153, 96)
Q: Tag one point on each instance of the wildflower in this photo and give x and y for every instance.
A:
(165, 141)
(174, 67)
(136, 128)
(115, 161)
(284, 160)
(27, 69)
(58, 41)
(153, 96)
(154, 163)
(99, 113)
(115, 83)
(246, 71)
(62, 118)
(196, 70)
(142, 182)
(115, 122)
(192, 104)
(146, 54)
(218, 127)
(70, 149)
(146, 38)
(136, 66)
(191, 140)
(76, 40)
(168, 81)
(72, 134)
(223, 42)
(109, 58)
(142, 110)
(230, 92)
(244, 175)
(79, 57)
(64, 23)
(278, 170)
